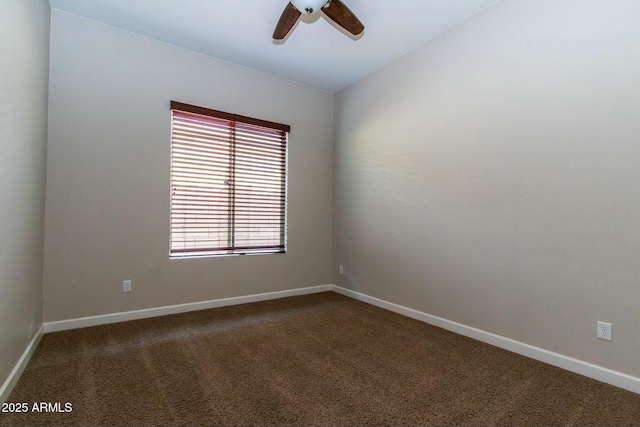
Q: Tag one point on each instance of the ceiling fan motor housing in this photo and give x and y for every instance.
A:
(309, 6)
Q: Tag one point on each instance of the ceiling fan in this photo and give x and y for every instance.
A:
(333, 9)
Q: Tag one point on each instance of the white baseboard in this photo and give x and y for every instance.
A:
(84, 322)
(586, 369)
(14, 376)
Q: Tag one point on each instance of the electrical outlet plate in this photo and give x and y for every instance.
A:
(341, 269)
(604, 331)
(126, 286)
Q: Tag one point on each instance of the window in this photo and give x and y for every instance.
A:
(228, 183)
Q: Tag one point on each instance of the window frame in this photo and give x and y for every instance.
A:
(248, 124)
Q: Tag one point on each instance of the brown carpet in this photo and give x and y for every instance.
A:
(316, 360)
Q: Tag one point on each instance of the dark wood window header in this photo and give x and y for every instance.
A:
(228, 116)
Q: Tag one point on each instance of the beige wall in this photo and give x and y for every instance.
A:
(24, 58)
(107, 206)
(491, 177)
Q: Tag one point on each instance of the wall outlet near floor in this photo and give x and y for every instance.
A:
(126, 286)
(604, 331)
(341, 270)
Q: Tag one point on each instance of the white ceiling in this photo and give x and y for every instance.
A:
(315, 53)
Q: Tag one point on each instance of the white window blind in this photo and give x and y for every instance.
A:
(228, 183)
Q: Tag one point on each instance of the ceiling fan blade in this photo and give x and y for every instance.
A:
(341, 15)
(287, 20)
